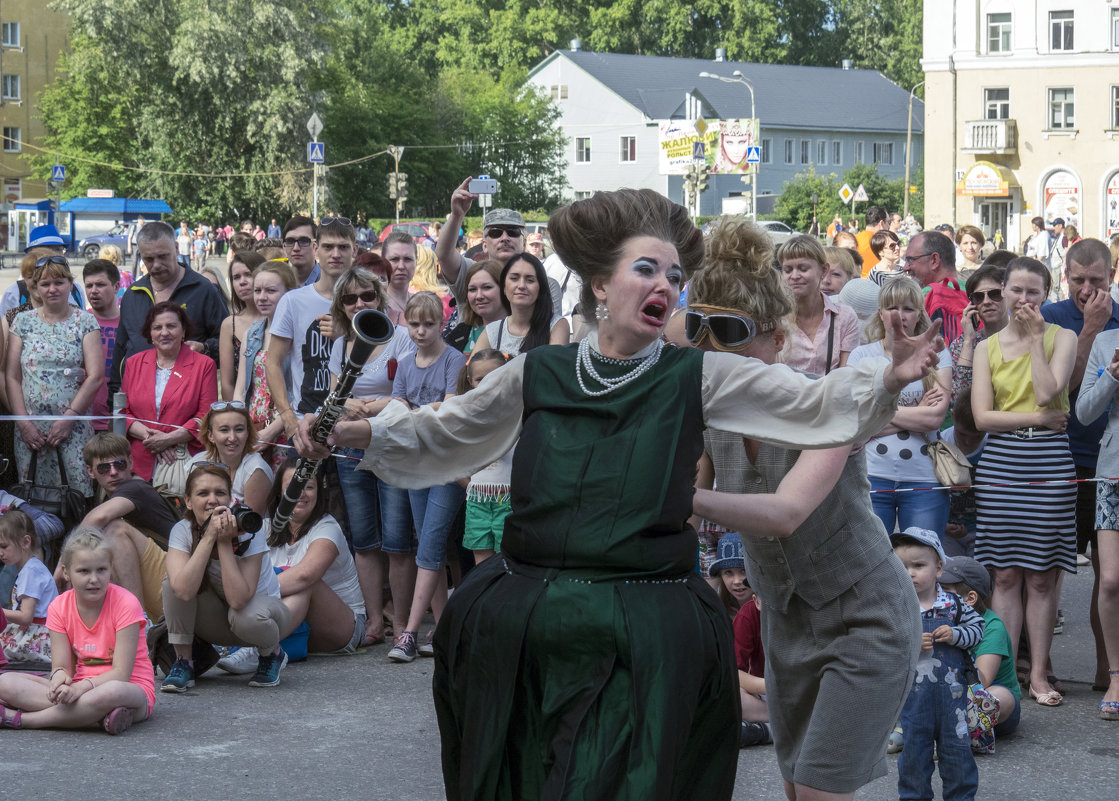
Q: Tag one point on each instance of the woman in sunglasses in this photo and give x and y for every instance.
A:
(886, 247)
(840, 622)
(376, 549)
(984, 315)
(593, 615)
(54, 367)
(824, 332)
(170, 388)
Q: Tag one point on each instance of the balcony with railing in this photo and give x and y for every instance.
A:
(991, 137)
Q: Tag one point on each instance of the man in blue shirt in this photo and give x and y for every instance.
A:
(1088, 311)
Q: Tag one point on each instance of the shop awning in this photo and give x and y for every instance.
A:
(986, 179)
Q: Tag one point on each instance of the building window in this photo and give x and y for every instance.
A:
(767, 154)
(788, 151)
(629, 148)
(883, 152)
(1060, 30)
(805, 150)
(10, 34)
(837, 153)
(998, 33)
(12, 140)
(559, 91)
(11, 88)
(822, 152)
(858, 152)
(1114, 108)
(1115, 29)
(996, 103)
(1062, 111)
(582, 149)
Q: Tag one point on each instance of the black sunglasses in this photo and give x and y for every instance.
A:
(303, 242)
(727, 330)
(60, 260)
(978, 296)
(496, 232)
(103, 468)
(369, 296)
(335, 221)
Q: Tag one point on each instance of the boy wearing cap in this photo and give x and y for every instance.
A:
(936, 709)
(993, 658)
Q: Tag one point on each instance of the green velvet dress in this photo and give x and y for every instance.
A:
(588, 660)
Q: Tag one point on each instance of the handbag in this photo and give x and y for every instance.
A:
(170, 478)
(951, 467)
(63, 501)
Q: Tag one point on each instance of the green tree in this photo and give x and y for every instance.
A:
(794, 207)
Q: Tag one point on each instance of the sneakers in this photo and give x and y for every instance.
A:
(240, 661)
(403, 647)
(179, 679)
(896, 741)
(426, 648)
(268, 670)
(753, 734)
(118, 720)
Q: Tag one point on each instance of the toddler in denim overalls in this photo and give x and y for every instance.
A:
(936, 709)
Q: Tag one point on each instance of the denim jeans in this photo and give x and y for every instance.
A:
(925, 508)
(363, 506)
(936, 711)
(396, 519)
(434, 511)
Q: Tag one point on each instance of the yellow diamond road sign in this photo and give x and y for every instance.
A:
(701, 126)
(846, 193)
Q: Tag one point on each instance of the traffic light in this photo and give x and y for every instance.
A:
(401, 186)
(392, 185)
(690, 182)
(701, 180)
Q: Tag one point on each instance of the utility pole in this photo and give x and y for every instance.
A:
(397, 151)
(908, 144)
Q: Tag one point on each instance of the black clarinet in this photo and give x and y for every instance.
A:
(371, 328)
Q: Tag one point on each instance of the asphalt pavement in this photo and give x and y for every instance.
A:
(360, 726)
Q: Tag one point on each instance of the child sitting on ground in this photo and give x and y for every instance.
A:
(100, 671)
(936, 709)
(25, 637)
(971, 582)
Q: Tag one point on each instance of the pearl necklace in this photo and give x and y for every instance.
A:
(585, 361)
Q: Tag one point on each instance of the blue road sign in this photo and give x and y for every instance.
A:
(58, 173)
(698, 150)
(316, 152)
(753, 155)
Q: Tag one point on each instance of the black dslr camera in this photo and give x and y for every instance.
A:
(249, 522)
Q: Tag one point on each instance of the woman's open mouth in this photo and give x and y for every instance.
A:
(654, 312)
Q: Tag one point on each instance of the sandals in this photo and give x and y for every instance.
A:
(1051, 698)
(118, 720)
(1109, 710)
(10, 721)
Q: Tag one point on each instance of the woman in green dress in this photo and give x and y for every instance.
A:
(588, 660)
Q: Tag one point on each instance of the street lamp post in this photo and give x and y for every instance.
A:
(908, 144)
(738, 77)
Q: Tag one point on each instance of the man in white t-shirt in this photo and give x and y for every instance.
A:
(296, 328)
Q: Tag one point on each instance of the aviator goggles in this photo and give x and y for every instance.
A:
(728, 328)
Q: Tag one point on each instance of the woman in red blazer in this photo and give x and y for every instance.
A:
(170, 388)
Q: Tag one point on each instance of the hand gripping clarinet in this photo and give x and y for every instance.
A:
(371, 328)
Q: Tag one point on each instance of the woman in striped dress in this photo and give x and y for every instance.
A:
(1026, 533)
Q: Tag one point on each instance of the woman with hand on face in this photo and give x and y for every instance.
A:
(170, 388)
(234, 327)
(1026, 533)
(483, 305)
(54, 367)
(527, 299)
(270, 281)
(373, 545)
(824, 332)
(984, 316)
(597, 550)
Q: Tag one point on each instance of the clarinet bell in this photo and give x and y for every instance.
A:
(373, 327)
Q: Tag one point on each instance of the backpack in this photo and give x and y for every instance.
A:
(945, 301)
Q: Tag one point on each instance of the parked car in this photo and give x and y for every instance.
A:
(778, 232)
(419, 231)
(89, 247)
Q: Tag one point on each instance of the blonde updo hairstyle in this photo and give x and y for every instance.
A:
(738, 273)
(589, 235)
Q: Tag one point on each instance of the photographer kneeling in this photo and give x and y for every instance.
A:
(220, 583)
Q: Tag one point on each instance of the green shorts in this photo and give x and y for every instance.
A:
(485, 522)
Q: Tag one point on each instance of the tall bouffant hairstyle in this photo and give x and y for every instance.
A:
(589, 235)
(802, 246)
(738, 273)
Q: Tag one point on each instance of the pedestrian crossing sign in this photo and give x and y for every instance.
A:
(58, 173)
(753, 155)
(316, 152)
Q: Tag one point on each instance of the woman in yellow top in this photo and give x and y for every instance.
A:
(1026, 533)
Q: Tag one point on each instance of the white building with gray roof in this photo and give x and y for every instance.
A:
(821, 117)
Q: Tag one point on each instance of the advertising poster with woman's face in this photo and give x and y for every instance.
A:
(736, 137)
